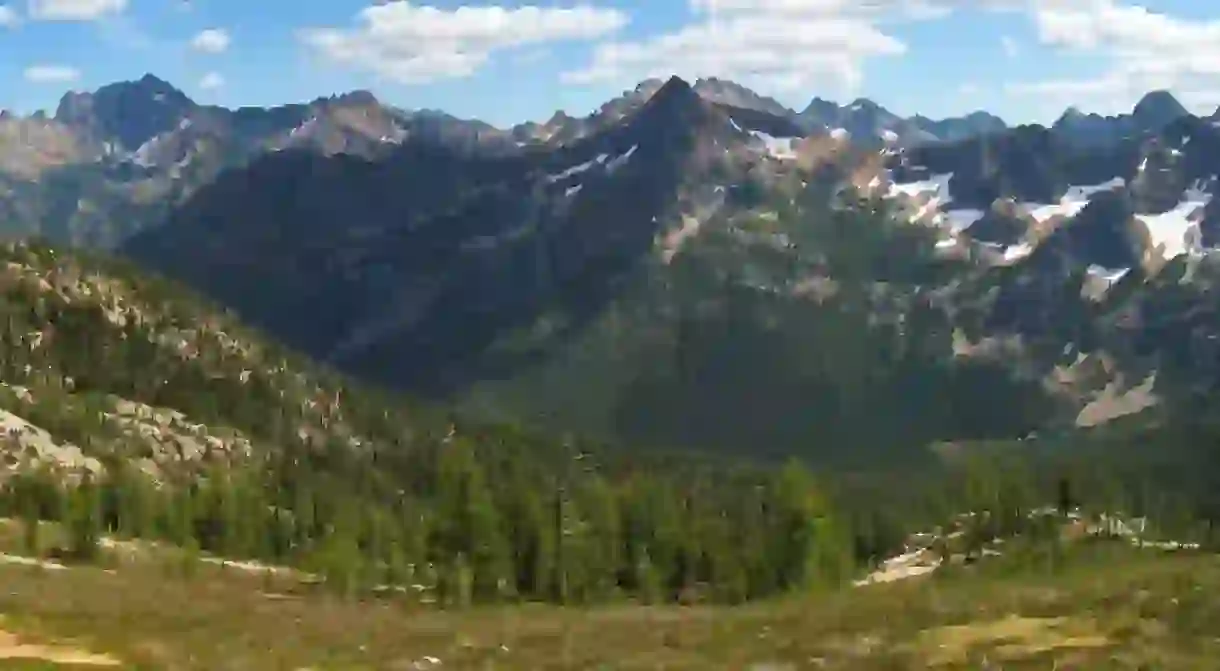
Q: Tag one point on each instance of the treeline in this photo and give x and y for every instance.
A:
(488, 522)
(469, 533)
(481, 516)
(996, 490)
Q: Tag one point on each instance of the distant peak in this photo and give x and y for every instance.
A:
(1159, 106)
(359, 97)
(559, 118)
(1158, 96)
(675, 102)
(149, 86)
(149, 79)
(820, 107)
(675, 90)
(674, 84)
(716, 82)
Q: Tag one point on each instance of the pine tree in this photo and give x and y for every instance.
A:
(531, 534)
(85, 523)
(133, 502)
(602, 537)
(806, 551)
(28, 508)
(467, 521)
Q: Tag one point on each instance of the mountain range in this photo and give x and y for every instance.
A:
(689, 265)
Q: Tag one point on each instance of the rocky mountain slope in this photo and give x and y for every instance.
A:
(697, 273)
(463, 247)
(684, 253)
(112, 161)
(103, 364)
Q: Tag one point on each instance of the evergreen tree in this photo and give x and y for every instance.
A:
(799, 519)
(84, 522)
(28, 508)
(603, 534)
(467, 521)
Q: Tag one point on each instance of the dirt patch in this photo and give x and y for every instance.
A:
(30, 561)
(1010, 638)
(11, 647)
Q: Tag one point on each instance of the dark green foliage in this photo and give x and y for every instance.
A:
(84, 521)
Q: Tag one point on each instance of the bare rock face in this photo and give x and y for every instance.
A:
(25, 447)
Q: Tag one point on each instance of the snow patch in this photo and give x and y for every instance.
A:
(1176, 232)
(937, 187)
(577, 169)
(1073, 200)
(779, 147)
(960, 220)
(621, 160)
(1084, 192)
(304, 128)
(1017, 252)
(1042, 212)
(840, 134)
(1110, 275)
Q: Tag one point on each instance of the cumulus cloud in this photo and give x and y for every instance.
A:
(1143, 49)
(75, 10)
(410, 43)
(51, 74)
(211, 81)
(8, 16)
(793, 45)
(212, 41)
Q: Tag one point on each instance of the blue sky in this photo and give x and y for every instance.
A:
(508, 62)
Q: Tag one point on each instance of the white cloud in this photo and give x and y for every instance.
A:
(8, 16)
(1010, 47)
(780, 45)
(410, 43)
(51, 74)
(74, 10)
(1143, 50)
(211, 81)
(212, 41)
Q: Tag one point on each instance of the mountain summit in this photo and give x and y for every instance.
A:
(131, 112)
(1158, 109)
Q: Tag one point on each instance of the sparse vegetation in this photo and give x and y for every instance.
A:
(1107, 606)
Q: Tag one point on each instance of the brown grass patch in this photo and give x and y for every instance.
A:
(13, 648)
(1010, 638)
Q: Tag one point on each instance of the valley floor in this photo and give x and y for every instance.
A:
(1108, 606)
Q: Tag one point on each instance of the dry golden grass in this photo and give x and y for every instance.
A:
(1109, 607)
(15, 648)
(1012, 637)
